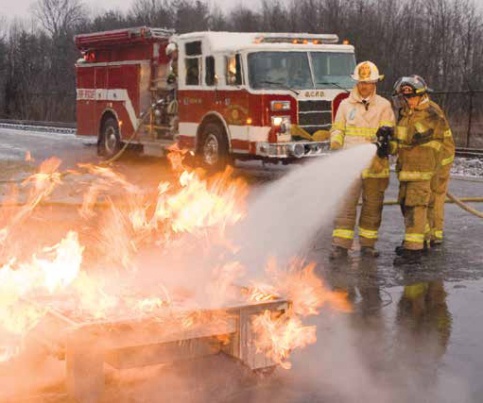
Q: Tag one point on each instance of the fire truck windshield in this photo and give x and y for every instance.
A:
(291, 70)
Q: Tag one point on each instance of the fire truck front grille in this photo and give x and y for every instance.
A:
(314, 115)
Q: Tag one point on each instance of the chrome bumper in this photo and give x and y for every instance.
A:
(293, 149)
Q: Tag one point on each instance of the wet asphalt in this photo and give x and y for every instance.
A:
(415, 335)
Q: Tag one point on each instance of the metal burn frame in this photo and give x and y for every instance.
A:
(151, 340)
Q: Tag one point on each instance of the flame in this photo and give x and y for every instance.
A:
(176, 157)
(44, 181)
(56, 270)
(202, 204)
(192, 208)
(309, 293)
(301, 285)
(278, 336)
(41, 184)
(8, 352)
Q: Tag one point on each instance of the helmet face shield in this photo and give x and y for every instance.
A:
(409, 87)
(398, 101)
(408, 91)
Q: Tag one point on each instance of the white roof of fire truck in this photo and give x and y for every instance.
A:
(216, 41)
(234, 41)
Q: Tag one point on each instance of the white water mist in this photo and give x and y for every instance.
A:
(289, 212)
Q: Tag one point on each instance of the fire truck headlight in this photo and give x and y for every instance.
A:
(277, 120)
(277, 106)
(283, 122)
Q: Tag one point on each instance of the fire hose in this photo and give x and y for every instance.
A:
(116, 156)
(459, 201)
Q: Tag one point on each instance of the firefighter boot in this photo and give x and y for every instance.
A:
(338, 253)
(368, 251)
(436, 243)
(408, 256)
(399, 249)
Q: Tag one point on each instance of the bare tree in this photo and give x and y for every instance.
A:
(58, 16)
(111, 19)
(156, 13)
(274, 16)
(191, 15)
(243, 19)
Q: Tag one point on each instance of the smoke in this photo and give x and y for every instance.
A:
(33, 376)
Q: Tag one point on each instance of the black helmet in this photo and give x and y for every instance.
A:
(411, 86)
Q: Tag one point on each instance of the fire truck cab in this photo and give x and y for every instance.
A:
(222, 95)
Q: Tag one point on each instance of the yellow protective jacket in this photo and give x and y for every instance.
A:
(357, 121)
(448, 151)
(420, 135)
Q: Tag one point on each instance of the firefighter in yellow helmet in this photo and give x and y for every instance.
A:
(420, 132)
(363, 117)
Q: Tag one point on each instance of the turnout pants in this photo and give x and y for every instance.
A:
(414, 197)
(439, 189)
(372, 191)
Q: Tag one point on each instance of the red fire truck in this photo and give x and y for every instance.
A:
(222, 95)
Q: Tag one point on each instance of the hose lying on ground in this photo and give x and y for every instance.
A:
(126, 144)
(460, 201)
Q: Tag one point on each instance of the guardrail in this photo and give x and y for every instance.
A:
(70, 128)
(51, 127)
(469, 152)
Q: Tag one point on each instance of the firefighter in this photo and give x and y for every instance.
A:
(419, 134)
(362, 118)
(172, 53)
(439, 188)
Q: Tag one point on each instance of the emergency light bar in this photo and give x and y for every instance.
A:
(297, 38)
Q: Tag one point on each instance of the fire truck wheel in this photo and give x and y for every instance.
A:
(109, 141)
(213, 149)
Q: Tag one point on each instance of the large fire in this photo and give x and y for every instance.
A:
(193, 209)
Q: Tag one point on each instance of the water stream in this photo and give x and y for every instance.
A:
(288, 213)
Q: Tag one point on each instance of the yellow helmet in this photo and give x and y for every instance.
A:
(367, 72)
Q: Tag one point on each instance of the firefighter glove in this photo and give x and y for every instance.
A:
(421, 138)
(383, 137)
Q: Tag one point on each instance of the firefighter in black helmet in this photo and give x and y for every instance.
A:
(420, 132)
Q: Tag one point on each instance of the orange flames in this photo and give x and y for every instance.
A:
(119, 227)
(278, 336)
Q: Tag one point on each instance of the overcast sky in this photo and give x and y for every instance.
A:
(21, 8)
